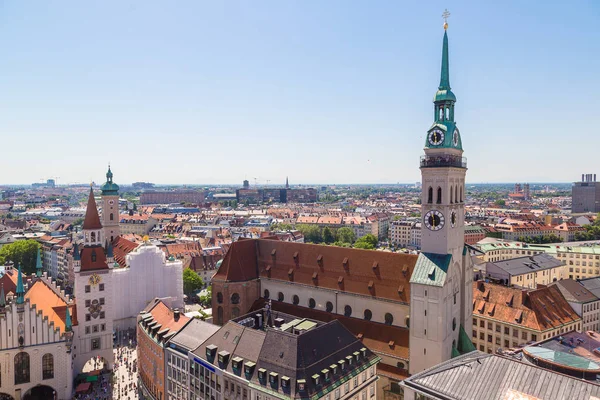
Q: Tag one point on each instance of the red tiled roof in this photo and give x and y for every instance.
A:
(93, 258)
(540, 309)
(250, 259)
(92, 220)
(52, 305)
(122, 247)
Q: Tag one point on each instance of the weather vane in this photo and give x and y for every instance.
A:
(445, 15)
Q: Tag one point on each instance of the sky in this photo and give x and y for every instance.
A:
(335, 91)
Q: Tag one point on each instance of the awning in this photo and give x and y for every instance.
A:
(91, 379)
(83, 388)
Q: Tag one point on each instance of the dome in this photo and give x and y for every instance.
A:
(444, 95)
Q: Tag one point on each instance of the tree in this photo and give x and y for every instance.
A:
(281, 227)
(500, 202)
(191, 281)
(345, 235)
(78, 221)
(23, 252)
(312, 233)
(368, 242)
(327, 235)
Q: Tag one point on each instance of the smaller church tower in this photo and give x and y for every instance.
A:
(110, 208)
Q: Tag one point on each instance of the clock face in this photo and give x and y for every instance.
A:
(453, 218)
(455, 137)
(434, 220)
(436, 137)
(94, 279)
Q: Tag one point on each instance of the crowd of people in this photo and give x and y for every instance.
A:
(121, 382)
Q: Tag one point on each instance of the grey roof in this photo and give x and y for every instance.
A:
(593, 285)
(528, 264)
(574, 291)
(193, 334)
(431, 269)
(478, 375)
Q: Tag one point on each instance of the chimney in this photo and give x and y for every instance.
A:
(176, 315)
(523, 296)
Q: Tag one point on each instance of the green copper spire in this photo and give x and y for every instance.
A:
(20, 288)
(2, 297)
(68, 323)
(110, 188)
(445, 78)
(38, 264)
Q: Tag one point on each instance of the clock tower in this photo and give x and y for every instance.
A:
(110, 208)
(441, 292)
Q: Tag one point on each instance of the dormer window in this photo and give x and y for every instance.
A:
(285, 382)
(333, 368)
(249, 368)
(325, 373)
(236, 363)
(363, 351)
(274, 378)
(301, 385)
(262, 375)
(356, 355)
(349, 359)
(316, 379)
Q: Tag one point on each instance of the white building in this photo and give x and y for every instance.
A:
(148, 274)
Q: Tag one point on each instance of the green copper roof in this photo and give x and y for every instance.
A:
(20, 288)
(431, 269)
(68, 322)
(464, 342)
(455, 352)
(38, 264)
(110, 188)
(445, 75)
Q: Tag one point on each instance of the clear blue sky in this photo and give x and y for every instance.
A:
(322, 91)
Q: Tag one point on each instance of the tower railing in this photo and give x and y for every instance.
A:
(443, 161)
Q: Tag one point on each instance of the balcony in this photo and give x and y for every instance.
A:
(443, 161)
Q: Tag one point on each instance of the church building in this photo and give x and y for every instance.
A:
(410, 310)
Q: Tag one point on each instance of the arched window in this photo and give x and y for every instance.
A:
(441, 113)
(430, 195)
(329, 306)
(462, 193)
(311, 303)
(456, 193)
(235, 312)
(447, 112)
(21, 368)
(235, 298)
(296, 299)
(111, 216)
(280, 296)
(451, 194)
(439, 195)
(48, 366)
(347, 311)
(267, 294)
(407, 321)
(453, 324)
(368, 314)
(220, 298)
(220, 315)
(93, 236)
(389, 319)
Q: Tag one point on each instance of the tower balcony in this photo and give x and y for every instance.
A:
(434, 161)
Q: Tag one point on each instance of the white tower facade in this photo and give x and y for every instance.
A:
(441, 284)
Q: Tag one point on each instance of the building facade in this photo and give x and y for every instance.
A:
(585, 303)
(171, 196)
(505, 317)
(586, 195)
(441, 290)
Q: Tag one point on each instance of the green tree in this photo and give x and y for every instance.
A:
(368, 242)
(345, 235)
(281, 227)
(327, 235)
(500, 202)
(23, 252)
(312, 233)
(78, 221)
(191, 281)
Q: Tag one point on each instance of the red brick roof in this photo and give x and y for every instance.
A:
(122, 247)
(92, 219)
(332, 267)
(540, 309)
(93, 258)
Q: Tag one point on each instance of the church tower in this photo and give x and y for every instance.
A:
(93, 291)
(441, 291)
(110, 208)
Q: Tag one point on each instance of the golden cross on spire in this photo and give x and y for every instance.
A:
(445, 15)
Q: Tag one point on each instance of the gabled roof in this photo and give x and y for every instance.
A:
(122, 247)
(92, 219)
(93, 258)
(51, 304)
(431, 269)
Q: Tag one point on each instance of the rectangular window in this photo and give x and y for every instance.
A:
(95, 344)
(524, 335)
(506, 331)
(498, 328)
(102, 314)
(88, 303)
(506, 344)
(101, 287)
(534, 337)
(88, 317)
(490, 326)
(95, 328)
(482, 324)
(101, 301)
(337, 394)
(481, 336)
(474, 334)
(87, 288)
(475, 321)
(497, 340)
(372, 390)
(87, 330)
(103, 327)
(515, 333)
(490, 338)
